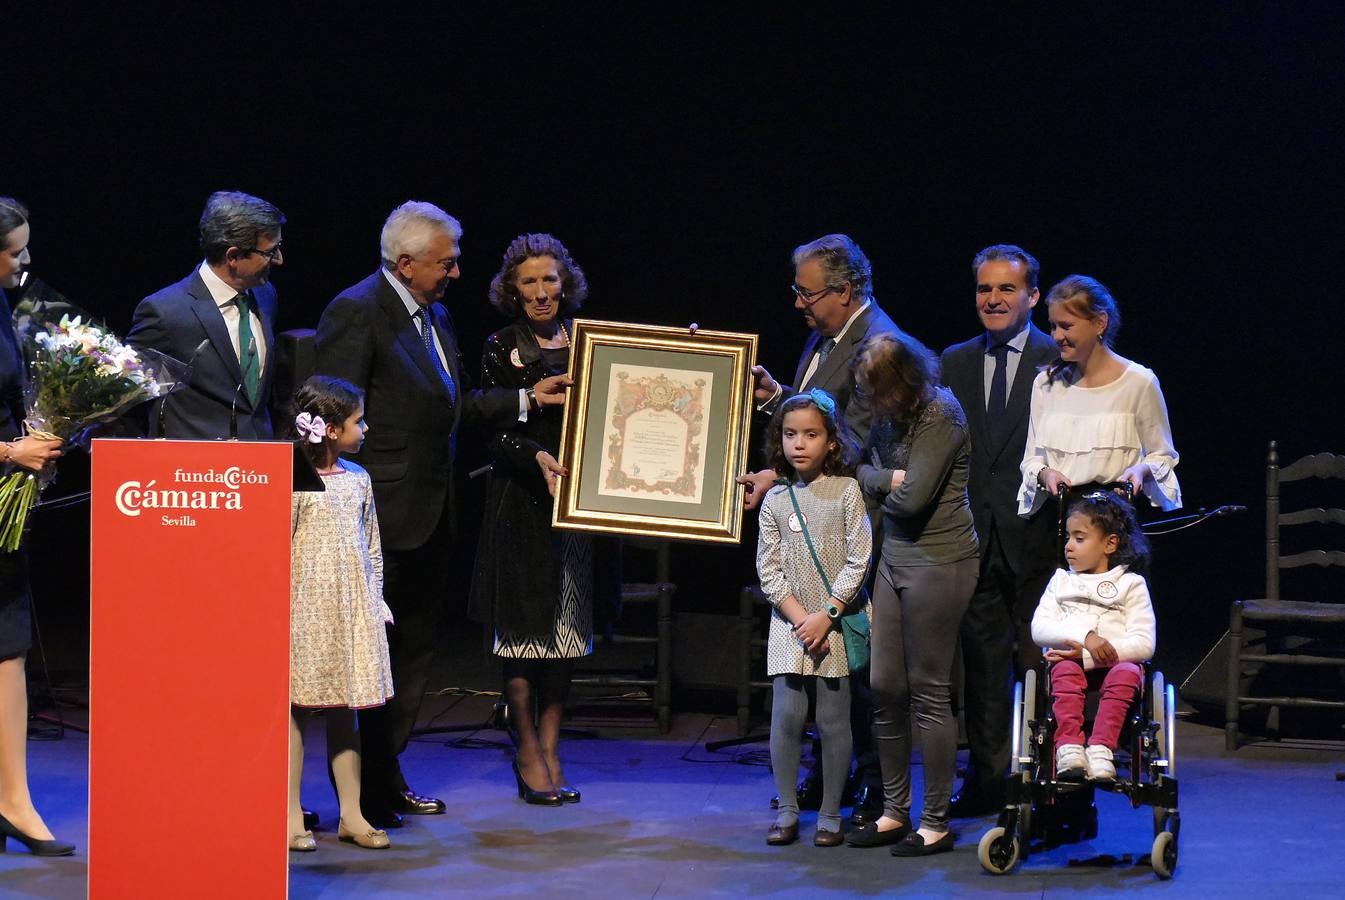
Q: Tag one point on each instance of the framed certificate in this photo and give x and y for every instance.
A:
(655, 431)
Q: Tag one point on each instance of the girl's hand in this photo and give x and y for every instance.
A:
(551, 470)
(898, 476)
(1134, 476)
(1053, 481)
(33, 453)
(813, 631)
(1104, 654)
(1073, 650)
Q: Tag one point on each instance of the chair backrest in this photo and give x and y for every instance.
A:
(1318, 465)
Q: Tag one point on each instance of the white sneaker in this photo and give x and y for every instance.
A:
(1100, 766)
(1070, 762)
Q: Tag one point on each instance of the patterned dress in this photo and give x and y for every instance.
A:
(533, 584)
(833, 510)
(338, 639)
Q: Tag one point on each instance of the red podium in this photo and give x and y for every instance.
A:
(189, 669)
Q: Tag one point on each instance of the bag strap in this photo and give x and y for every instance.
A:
(807, 538)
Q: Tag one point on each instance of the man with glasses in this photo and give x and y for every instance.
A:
(221, 319)
(833, 290)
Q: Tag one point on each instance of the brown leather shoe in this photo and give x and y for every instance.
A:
(828, 838)
(779, 835)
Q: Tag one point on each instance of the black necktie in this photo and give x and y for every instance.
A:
(999, 391)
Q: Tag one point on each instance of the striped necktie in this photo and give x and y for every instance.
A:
(427, 336)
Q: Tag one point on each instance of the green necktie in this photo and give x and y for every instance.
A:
(248, 358)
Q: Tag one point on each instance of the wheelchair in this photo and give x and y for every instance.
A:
(1039, 807)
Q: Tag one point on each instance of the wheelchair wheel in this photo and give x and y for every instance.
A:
(1163, 858)
(998, 851)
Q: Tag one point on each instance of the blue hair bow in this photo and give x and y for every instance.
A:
(824, 401)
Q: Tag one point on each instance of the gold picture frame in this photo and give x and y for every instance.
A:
(655, 431)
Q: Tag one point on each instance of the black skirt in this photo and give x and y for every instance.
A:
(16, 612)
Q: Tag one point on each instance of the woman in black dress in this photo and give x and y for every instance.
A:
(533, 585)
(19, 819)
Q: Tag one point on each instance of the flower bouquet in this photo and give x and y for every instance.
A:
(80, 375)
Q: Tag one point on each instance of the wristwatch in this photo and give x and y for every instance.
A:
(531, 394)
(833, 611)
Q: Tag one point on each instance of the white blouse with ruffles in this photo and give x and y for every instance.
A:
(1095, 434)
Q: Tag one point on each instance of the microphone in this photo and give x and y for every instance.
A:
(186, 376)
(233, 408)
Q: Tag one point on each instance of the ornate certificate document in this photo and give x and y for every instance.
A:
(654, 433)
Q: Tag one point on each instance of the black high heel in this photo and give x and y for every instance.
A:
(527, 794)
(567, 794)
(36, 847)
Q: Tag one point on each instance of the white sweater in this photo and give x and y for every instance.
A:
(1114, 604)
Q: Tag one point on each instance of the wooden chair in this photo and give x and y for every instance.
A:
(1298, 633)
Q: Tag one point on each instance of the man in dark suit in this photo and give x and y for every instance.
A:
(416, 395)
(225, 309)
(991, 376)
(833, 289)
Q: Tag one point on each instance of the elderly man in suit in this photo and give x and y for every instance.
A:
(833, 290)
(392, 337)
(221, 318)
(991, 376)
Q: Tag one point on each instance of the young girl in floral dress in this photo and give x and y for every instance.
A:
(338, 641)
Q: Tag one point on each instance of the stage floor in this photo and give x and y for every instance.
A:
(661, 817)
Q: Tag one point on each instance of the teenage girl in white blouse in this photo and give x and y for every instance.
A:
(1096, 417)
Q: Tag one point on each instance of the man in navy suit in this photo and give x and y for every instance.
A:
(991, 376)
(229, 303)
(417, 393)
(833, 290)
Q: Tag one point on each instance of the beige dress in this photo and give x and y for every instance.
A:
(338, 639)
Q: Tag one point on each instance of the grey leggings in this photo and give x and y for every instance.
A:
(916, 614)
(789, 713)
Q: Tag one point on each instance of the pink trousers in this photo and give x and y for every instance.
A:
(1120, 685)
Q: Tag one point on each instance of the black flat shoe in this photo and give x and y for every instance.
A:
(528, 795)
(969, 803)
(567, 794)
(870, 836)
(413, 804)
(914, 845)
(36, 847)
(809, 794)
(310, 820)
(779, 835)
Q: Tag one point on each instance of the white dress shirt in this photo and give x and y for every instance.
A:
(1011, 359)
(224, 295)
(836, 338)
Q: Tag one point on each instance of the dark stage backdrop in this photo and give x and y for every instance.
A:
(1187, 158)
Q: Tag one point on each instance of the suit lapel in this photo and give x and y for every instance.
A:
(212, 321)
(832, 369)
(809, 346)
(974, 373)
(1033, 355)
(408, 336)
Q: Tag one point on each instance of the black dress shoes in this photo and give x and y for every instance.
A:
(779, 835)
(870, 836)
(310, 820)
(413, 804)
(914, 845)
(381, 816)
(868, 806)
(971, 802)
(810, 793)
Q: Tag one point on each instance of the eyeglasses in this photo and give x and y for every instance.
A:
(811, 297)
(271, 254)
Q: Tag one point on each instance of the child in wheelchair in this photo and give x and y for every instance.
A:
(1096, 626)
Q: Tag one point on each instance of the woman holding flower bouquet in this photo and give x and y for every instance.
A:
(19, 819)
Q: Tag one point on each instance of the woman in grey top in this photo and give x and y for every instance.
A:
(927, 570)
